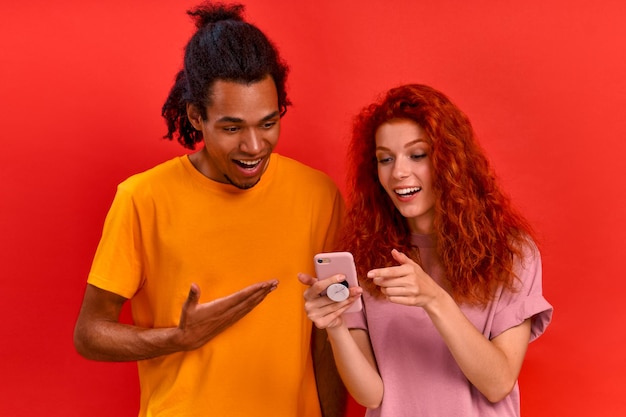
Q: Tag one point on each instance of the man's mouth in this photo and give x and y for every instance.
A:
(248, 164)
(407, 192)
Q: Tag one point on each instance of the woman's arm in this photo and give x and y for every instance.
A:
(351, 348)
(356, 364)
(492, 366)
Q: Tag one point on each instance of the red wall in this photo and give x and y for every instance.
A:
(82, 82)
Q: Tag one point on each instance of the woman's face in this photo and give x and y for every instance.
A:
(404, 171)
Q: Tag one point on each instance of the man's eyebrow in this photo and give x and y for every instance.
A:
(230, 119)
(271, 116)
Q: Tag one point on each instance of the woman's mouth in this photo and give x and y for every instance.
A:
(408, 191)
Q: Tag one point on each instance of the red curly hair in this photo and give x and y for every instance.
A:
(478, 233)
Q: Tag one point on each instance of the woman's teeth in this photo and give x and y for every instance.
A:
(403, 192)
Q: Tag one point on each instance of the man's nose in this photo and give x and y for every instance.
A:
(251, 142)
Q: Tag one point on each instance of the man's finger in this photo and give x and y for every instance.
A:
(236, 311)
(260, 289)
(194, 293)
(192, 300)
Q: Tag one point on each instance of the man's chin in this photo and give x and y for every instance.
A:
(242, 186)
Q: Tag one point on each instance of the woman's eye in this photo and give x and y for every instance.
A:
(418, 156)
(384, 159)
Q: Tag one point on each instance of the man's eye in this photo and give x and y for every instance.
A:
(231, 129)
(269, 125)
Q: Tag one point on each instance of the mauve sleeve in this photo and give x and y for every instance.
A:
(528, 302)
(355, 320)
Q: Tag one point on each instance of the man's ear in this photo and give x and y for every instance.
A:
(194, 116)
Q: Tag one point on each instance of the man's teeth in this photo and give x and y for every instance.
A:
(249, 163)
(408, 191)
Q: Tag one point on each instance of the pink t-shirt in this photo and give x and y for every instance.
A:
(420, 376)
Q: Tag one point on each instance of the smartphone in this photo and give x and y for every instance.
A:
(332, 263)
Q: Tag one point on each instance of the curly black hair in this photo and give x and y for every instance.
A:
(224, 47)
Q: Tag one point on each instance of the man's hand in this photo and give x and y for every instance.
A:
(99, 335)
(200, 323)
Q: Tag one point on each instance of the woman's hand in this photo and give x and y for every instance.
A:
(320, 309)
(406, 283)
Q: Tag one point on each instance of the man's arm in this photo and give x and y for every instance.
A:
(99, 335)
(332, 393)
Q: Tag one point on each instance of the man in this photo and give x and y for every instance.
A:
(199, 242)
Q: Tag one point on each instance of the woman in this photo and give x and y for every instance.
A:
(451, 277)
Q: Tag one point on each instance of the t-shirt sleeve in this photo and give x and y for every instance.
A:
(355, 320)
(528, 302)
(116, 267)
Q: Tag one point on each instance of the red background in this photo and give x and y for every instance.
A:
(82, 82)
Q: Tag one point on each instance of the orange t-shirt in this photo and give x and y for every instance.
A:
(171, 226)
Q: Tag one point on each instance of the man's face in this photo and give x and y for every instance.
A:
(241, 130)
